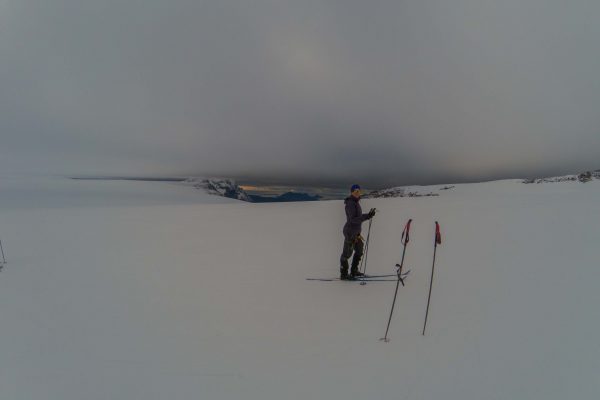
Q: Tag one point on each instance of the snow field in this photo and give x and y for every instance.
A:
(131, 297)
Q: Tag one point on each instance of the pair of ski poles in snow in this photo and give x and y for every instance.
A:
(405, 240)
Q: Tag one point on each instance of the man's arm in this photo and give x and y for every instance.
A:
(353, 217)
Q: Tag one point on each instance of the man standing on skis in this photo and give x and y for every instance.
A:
(353, 241)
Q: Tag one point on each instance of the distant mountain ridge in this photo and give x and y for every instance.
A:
(435, 190)
(582, 177)
(286, 197)
(229, 188)
(401, 191)
(226, 187)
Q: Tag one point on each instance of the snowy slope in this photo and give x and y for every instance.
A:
(150, 295)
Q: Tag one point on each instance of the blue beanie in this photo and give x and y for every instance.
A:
(354, 187)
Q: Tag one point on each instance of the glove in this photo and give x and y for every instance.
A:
(372, 213)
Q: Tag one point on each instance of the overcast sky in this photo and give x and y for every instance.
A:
(301, 91)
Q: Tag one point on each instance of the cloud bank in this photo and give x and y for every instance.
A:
(384, 92)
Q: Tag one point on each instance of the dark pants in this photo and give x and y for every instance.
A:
(351, 245)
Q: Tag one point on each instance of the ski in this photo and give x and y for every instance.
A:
(368, 278)
(399, 278)
(402, 275)
(377, 276)
(350, 280)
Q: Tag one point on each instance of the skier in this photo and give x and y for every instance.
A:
(353, 241)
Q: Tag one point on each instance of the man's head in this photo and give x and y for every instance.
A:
(355, 191)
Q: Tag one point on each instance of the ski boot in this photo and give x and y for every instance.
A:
(344, 276)
(355, 272)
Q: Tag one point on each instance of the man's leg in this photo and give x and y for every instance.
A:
(346, 253)
(359, 247)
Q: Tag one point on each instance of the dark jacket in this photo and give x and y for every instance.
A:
(354, 217)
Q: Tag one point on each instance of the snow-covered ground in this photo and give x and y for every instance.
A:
(150, 290)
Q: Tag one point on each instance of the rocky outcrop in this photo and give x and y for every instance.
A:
(219, 187)
(400, 192)
(583, 177)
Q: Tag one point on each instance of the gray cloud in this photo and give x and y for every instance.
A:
(388, 92)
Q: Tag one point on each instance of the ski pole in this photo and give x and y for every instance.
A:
(405, 238)
(2, 249)
(364, 261)
(437, 240)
